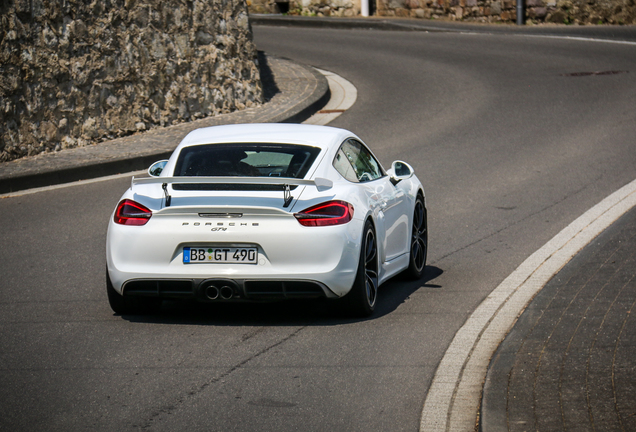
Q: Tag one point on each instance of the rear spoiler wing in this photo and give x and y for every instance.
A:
(320, 183)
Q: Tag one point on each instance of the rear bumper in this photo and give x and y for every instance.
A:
(290, 257)
(221, 289)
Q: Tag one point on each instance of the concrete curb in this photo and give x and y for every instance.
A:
(297, 92)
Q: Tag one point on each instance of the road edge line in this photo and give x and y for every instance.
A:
(455, 392)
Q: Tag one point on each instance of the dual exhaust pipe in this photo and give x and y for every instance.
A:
(213, 292)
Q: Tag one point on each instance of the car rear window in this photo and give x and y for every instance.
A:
(244, 160)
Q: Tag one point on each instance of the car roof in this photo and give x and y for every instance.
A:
(274, 133)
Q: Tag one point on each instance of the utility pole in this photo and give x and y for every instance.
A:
(520, 13)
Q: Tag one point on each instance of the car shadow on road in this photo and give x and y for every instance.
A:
(399, 290)
(322, 312)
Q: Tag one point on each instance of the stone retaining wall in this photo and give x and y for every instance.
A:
(74, 72)
(537, 11)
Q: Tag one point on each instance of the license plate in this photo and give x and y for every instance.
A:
(220, 255)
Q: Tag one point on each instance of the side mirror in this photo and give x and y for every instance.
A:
(157, 167)
(400, 171)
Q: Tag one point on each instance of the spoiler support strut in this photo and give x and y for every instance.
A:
(164, 186)
(287, 196)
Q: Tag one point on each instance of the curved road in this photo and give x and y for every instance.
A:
(513, 139)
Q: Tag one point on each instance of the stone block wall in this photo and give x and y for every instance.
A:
(341, 8)
(74, 72)
(536, 11)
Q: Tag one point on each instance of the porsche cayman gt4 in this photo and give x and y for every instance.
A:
(264, 212)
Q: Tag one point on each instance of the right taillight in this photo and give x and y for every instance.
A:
(129, 212)
(326, 214)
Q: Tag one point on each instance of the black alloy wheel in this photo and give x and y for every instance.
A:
(419, 240)
(363, 295)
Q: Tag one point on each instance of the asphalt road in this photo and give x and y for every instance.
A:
(513, 139)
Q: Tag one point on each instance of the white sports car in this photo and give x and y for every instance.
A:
(263, 212)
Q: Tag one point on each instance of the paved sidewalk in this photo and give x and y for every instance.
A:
(296, 92)
(568, 363)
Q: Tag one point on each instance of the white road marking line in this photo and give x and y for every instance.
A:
(75, 183)
(583, 39)
(454, 396)
(571, 38)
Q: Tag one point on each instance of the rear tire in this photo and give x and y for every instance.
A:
(419, 240)
(130, 305)
(364, 292)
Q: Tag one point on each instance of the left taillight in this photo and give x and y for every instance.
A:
(326, 214)
(129, 212)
